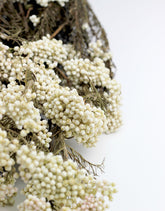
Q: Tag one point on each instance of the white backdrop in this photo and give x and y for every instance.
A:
(135, 154)
(135, 158)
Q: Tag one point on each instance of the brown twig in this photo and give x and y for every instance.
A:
(64, 76)
(23, 16)
(28, 12)
(58, 30)
(21, 9)
(91, 168)
(55, 134)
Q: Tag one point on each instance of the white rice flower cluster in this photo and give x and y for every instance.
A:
(45, 50)
(32, 203)
(5, 60)
(43, 135)
(92, 203)
(89, 203)
(96, 50)
(7, 192)
(71, 53)
(7, 189)
(18, 105)
(84, 71)
(34, 19)
(68, 110)
(46, 83)
(6, 148)
(77, 119)
(65, 113)
(61, 181)
(77, 69)
(11, 66)
(113, 112)
(44, 3)
(8, 177)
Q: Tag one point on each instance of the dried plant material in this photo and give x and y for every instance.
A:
(8, 122)
(56, 83)
(91, 168)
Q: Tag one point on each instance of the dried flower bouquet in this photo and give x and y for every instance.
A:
(56, 83)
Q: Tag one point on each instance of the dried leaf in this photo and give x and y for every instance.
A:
(8, 122)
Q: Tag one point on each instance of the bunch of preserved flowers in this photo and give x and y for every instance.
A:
(56, 83)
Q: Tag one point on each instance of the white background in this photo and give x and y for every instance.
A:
(135, 158)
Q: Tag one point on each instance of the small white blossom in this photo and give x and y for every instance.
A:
(85, 26)
(34, 19)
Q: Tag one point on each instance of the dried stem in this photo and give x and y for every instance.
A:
(83, 163)
(58, 30)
